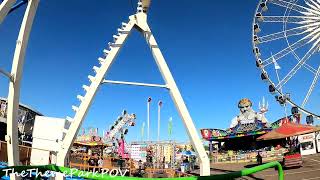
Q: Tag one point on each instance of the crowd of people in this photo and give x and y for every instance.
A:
(187, 163)
(95, 161)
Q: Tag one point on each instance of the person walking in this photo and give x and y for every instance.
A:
(259, 158)
(100, 164)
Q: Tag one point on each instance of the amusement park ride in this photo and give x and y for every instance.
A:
(137, 21)
(286, 41)
(112, 140)
(299, 30)
(117, 132)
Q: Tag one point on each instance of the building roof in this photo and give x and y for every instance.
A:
(25, 106)
(289, 130)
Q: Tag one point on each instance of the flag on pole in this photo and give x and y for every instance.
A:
(276, 65)
(170, 127)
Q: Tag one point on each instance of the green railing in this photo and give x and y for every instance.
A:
(90, 175)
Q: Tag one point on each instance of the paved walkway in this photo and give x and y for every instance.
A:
(309, 171)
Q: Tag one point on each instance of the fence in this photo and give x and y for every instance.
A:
(25, 153)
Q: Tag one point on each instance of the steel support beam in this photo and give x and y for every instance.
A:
(88, 98)
(134, 83)
(5, 7)
(177, 99)
(7, 74)
(14, 86)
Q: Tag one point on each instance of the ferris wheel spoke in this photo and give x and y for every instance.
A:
(313, 4)
(310, 68)
(290, 19)
(283, 34)
(290, 5)
(315, 79)
(294, 70)
(286, 51)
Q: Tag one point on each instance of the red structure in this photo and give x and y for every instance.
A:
(288, 130)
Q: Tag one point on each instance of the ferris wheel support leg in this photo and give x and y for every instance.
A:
(88, 98)
(178, 101)
(5, 7)
(14, 85)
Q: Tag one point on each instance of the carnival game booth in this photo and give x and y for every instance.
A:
(242, 137)
(300, 138)
(86, 152)
(93, 154)
(240, 143)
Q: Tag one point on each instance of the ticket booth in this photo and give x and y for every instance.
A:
(307, 144)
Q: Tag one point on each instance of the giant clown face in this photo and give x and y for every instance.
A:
(244, 105)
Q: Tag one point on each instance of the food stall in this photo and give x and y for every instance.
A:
(307, 144)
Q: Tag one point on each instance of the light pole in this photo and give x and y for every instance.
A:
(148, 117)
(159, 117)
(158, 138)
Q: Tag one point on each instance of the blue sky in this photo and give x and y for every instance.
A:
(207, 45)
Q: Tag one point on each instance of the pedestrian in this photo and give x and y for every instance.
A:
(259, 158)
(100, 164)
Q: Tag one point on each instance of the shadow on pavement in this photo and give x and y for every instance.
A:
(229, 171)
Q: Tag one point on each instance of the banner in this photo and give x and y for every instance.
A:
(212, 133)
(170, 127)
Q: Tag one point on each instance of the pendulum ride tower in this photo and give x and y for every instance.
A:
(139, 22)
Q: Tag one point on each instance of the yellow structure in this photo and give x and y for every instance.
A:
(168, 151)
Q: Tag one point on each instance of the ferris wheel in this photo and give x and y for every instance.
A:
(286, 45)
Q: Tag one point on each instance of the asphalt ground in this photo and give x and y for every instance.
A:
(309, 171)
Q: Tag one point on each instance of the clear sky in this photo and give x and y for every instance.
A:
(207, 45)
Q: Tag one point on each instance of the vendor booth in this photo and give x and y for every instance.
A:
(307, 144)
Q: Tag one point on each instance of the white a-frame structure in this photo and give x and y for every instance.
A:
(16, 74)
(139, 22)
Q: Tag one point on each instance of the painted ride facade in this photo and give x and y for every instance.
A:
(241, 143)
